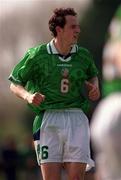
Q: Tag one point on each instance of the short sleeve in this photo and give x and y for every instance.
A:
(23, 71)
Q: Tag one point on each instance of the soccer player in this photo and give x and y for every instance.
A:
(50, 79)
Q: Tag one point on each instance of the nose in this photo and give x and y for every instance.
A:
(78, 29)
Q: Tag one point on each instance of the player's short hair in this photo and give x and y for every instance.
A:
(58, 18)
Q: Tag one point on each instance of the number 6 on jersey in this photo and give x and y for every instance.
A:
(64, 85)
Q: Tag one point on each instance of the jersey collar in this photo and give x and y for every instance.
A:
(51, 49)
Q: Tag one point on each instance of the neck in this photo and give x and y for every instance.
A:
(62, 47)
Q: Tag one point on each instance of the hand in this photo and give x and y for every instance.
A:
(93, 91)
(35, 99)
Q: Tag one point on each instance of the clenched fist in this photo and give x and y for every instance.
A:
(35, 99)
(93, 91)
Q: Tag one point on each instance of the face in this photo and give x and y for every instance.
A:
(69, 34)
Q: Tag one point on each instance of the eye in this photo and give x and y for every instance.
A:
(75, 26)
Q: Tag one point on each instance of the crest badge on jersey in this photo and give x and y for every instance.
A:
(65, 72)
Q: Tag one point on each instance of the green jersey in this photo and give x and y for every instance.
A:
(59, 78)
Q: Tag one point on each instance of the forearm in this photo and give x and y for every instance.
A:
(19, 91)
(22, 93)
(94, 81)
(93, 88)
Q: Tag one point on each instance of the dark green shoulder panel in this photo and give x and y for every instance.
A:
(36, 51)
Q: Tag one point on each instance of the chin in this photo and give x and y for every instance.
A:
(75, 41)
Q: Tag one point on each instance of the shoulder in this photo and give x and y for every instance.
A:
(33, 54)
(86, 55)
(84, 52)
(37, 50)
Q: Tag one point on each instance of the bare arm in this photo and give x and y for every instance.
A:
(22, 93)
(93, 88)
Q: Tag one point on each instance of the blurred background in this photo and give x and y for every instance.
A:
(24, 24)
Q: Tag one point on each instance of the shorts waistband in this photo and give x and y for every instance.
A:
(65, 110)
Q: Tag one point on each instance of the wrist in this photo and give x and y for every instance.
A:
(25, 97)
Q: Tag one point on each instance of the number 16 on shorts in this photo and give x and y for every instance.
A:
(42, 152)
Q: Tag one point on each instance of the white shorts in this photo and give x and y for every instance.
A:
(64, 137)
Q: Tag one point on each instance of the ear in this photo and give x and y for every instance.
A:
(58, 29)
